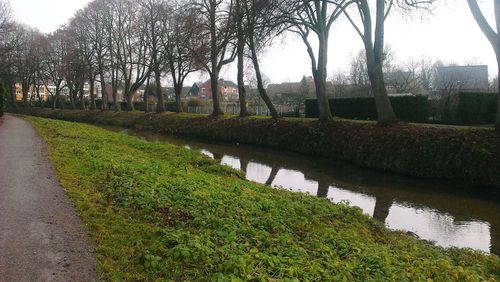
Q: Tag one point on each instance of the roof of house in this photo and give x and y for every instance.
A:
(222, 83)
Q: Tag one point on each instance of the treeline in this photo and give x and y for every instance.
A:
(129, 43)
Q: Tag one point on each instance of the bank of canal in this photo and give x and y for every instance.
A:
(444, 212)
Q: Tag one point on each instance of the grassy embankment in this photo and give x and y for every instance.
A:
(156, 211)
(461, 154)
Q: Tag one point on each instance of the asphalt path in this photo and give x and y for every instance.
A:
(41, 235)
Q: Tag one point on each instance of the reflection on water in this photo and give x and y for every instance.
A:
(438, 211)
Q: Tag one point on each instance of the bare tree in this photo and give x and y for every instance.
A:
(154, 12)
(404, 77)
(240, 51)
(112, 19)
(213, 44)
(358, 74)
(82, 32)
(94, 19)
(493, 38)
(176, 43)
(28, 56)
(263, 22)
(5, 17)
(74, 67)
(9, 45)
(130, 47)
(373, 41)
(318, 17)
(54, 55)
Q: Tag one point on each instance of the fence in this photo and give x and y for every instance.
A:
(260, 110)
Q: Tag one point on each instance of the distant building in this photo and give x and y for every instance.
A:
(194, 91)
(462, 78)
(43, 91)
(291, 91)
(227, 89)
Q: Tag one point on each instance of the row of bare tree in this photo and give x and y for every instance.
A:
(125, 43)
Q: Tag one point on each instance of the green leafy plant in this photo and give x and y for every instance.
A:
(158, 212)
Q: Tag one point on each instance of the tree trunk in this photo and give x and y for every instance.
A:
(56, 97)
(241, 82)
(385, 113)
(91, 93)
(260, 85)
(116, 104)
(161, 105)
(178, 93)
(497, 120)
(72, 96)
(214, 82)
(25, 95)
(241, 86)
(40, 99)
(146, 96)
(240, 52)
(82, 96)
(325, 113)
(374, 59)
(130, 102)
(12, 91)
(104, 95)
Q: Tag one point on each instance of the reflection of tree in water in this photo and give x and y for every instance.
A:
(323, 187)
(272, 175)
(218, 156)
(382, 206)
(244, 165)
(495, 239)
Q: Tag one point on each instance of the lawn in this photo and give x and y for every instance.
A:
(158, 212)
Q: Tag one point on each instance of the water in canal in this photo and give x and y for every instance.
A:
(444, 212)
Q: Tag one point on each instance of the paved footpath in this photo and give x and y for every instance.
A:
(41, 235)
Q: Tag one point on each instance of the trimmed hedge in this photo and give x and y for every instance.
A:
(406, 108)
(469, 108)
(467, 155)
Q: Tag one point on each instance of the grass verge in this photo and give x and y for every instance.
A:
(465, 155)
(156, 211)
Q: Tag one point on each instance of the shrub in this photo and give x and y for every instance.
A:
(407, 108)
(172, 106)
(195, 102)
(469, 108)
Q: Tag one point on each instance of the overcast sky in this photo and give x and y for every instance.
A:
(450, 34)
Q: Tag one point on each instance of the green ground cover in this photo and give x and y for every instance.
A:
(158, 212)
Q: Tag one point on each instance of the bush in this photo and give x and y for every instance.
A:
(469, 108)
(172, 106)
(294, 114)
(406, 108)
(3, 98)
(157, 211)
(195, 102)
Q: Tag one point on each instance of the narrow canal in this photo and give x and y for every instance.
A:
(444, 212)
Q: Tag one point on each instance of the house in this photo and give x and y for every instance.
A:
(32, 92)
(194, 90)
(227, 89)
(290, 92)
(462, 78)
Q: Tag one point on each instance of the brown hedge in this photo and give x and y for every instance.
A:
(461, 154)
